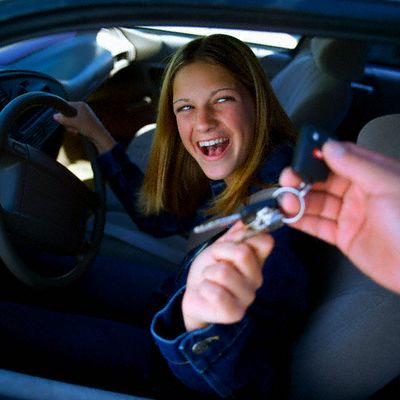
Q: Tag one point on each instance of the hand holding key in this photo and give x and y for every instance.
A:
(224, 278)
(357, 209)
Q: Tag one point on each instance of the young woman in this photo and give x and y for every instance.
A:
(227, 322)
(249, 125)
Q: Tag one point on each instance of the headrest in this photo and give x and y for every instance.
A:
(382, 134)
(340, 58)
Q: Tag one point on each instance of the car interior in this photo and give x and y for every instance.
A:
(345, 87)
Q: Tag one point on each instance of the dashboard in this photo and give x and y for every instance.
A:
(71, 65)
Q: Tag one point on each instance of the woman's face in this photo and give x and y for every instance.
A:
(216, 117)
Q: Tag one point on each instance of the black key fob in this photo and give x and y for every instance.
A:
(307, 160)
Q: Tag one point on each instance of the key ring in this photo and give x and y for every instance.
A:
(299, 193)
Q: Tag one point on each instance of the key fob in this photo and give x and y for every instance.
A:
(307, 160)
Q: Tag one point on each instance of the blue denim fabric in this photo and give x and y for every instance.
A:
(250, 356)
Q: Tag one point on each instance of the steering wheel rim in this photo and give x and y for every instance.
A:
(8, 253)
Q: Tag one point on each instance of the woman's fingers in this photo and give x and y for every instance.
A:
(257, 247)
(226, 288)
(261, 244)
(224, 278)
(211, 303)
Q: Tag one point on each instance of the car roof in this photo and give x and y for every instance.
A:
(369, 19)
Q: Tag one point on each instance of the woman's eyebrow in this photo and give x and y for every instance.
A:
(213, 93)
(182, 99)
(222, 89)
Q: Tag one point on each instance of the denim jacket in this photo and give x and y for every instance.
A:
(248, 359)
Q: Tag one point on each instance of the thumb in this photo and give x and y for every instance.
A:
(59, 117)
(234, 232)
(360, 165)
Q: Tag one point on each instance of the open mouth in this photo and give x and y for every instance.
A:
(214, 147)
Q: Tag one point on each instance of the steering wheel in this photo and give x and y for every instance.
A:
(43, 205)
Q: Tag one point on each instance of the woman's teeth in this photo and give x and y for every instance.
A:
(213, 142)
(214, 147)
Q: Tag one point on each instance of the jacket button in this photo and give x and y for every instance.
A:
(202, 346)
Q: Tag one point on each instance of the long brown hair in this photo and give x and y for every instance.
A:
(173, 180)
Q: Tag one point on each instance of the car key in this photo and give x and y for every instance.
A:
(308, 163)
(247, 214)
(307, 160)
(267, 219)
(261, 216)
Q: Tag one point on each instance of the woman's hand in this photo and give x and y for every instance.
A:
(224, 278)
(87, 123)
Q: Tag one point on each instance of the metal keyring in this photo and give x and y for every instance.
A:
(300, 196)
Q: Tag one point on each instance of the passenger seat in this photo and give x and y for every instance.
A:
(350, 346)
(315, 87)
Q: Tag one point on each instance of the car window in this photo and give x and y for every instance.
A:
(262, 42)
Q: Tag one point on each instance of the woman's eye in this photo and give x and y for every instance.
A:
(186, 107)
(224, 99)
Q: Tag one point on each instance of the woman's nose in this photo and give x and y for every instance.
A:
(205, 120)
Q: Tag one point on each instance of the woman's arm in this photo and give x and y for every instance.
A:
(124, 177)
(235, 348)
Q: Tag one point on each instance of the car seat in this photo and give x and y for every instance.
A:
(122, 237)
(315, 87)
(382, 134)
(350, 346)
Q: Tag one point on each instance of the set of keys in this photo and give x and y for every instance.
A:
(265, 215)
